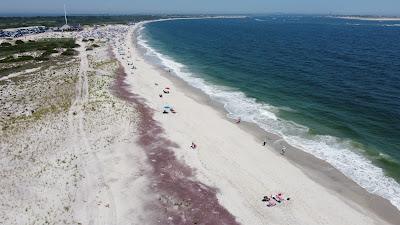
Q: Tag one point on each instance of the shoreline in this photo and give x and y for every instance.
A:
(318, 170)
(368, 18)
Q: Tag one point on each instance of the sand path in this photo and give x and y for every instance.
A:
(80, 144)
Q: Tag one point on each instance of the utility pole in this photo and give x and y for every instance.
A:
(65, 16)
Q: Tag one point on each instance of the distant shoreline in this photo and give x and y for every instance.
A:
(367, 18)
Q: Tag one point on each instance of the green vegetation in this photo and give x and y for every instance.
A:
(8, 70)
(11, 59)
(5, 44)
(69, 52)
(26, 55)
(49, 52)
(49, 47)
(56, 21)
(46, 55)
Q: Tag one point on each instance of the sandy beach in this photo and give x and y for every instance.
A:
(111, 156)
(230, 158)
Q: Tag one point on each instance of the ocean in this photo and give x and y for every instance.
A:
(328, 86)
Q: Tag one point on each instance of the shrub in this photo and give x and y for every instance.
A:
(69, 52)
(5, 44)
(47, 53)
(21, 58)
(18, 42)
(42, 58)
(24, 57)
(50, 51)
(7, 59)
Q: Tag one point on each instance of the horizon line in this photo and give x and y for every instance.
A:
(186, 14)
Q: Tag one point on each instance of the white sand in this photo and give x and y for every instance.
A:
(233, 161)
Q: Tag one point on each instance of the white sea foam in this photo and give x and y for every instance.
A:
(338, 152)
(391, 25)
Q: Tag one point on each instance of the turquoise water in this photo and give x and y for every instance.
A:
(328, 86)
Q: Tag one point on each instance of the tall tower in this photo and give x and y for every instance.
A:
(65, 16)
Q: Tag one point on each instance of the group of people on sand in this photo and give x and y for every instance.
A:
(283, 149)
(165, 91)
(274, 199)
(271, 200)
(169, 110)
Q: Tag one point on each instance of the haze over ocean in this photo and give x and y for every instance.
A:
(329, 86)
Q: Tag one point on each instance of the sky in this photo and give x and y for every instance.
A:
(371, 7)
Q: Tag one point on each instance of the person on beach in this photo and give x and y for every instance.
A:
(160, 95)
(271, 203)
(280, 197)
(265, 199)
(265, 141)
(238, 120)
(276, 199)
(193, 146)
(283, 150)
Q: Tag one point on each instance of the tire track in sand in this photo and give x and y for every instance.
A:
(92, 186)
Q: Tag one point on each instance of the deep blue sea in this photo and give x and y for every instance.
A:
(328, 86)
